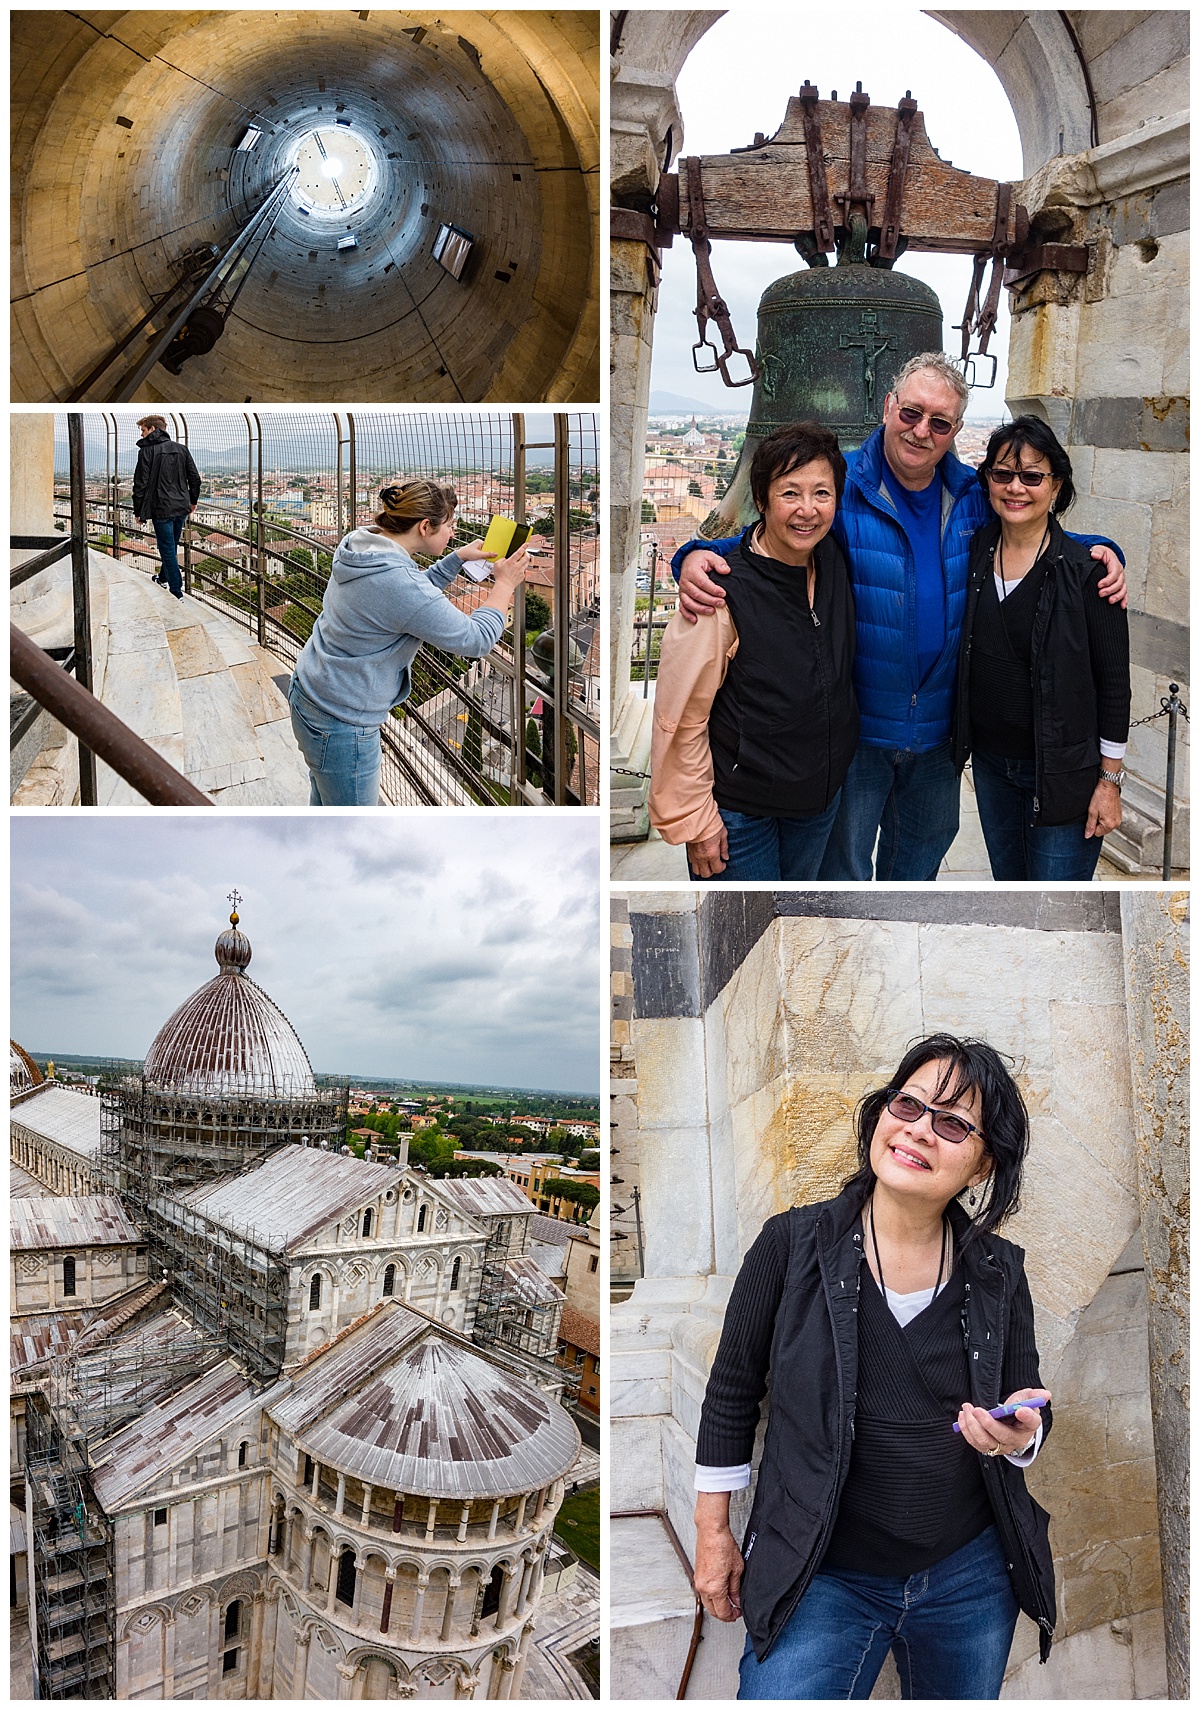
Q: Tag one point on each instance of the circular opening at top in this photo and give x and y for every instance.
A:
(338, 171)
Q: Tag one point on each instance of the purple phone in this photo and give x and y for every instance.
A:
(1010, 1407)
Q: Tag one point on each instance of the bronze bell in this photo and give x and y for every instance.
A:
(830, 341)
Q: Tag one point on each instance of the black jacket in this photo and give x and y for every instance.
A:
(166, 482)
(784, 723)
(814, 1366)
(1066, 678)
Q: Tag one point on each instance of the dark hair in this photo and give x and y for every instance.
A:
(789, 448)
(412, 502)
(1030, 433)
(971, 1065)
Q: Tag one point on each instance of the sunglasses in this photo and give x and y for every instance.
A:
(937, 424)
(945, 1123)
(1027, 477)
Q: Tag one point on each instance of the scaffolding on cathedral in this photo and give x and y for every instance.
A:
(166, 1140)
(518, 1313)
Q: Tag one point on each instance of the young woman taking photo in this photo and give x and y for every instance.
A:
(379, 606)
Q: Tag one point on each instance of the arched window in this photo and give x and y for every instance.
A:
(389, 1280)
(345, 1577)
(366, 1229)
(68, 1275)
(233, 1619)
(421, 1216)
(454, 1274)
(314, 1294)
(491, 1594)
(243, 1451)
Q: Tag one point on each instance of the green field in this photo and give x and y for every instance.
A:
(578, 1525)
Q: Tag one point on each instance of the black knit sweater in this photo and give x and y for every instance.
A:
(904, 1506)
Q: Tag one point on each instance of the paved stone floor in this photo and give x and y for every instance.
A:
(565, 1623)
(654, 861)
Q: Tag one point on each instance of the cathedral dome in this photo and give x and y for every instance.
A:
(229, 1039)
(23, 1072)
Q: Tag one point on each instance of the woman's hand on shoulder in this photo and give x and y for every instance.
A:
(1007, 1436)
(1111, 585)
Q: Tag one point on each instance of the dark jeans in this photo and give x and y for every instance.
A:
(950, 1630)
(1017, 848)
(909, 800)
(765, 848)
(168, 532)
(344, 760)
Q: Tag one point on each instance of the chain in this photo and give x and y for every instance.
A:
(628, 772)
(1163, 712)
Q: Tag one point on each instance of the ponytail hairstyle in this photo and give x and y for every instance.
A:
(412, 502)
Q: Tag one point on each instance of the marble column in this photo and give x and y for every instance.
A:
(448, 1616)
(1154, 926)
(522, 1658)
(300, 1664)
(309, 1552)
(419, 1607)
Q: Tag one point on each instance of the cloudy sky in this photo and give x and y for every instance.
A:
(737, 80)
(439, 946)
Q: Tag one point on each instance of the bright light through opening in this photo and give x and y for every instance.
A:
(339, 172)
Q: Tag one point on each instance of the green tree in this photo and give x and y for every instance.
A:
(579, 1193)
(544, 525)
(649, 514)
(694, 489)
(537, 611)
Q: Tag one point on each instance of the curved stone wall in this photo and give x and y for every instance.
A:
(125, 158)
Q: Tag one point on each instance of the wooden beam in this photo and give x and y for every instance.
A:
(763, 193)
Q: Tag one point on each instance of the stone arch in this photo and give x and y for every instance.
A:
(327, 1272)
(1039, 71)
(147, 1617)
(240, 1584)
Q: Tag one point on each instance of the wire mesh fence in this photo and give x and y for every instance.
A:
(280, 488)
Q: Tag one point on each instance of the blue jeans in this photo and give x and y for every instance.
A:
(764, 848)
(909, 800)
(1017, 848)
(343, 760)
(168, 532)
(950, 1630)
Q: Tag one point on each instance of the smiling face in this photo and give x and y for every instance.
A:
(910, 1160)
(800, 512)
(1012, 501)
(913, 453)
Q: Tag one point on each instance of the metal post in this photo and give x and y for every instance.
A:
(112, 459)
(181, 431)
(562, 603)
(343, 441)
(637, 1213)
(1169, 814)
(81, 593)
(353, 514)
(260, 560)
(650, 620)
(517, 788)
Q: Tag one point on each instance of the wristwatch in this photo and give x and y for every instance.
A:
(1117, 777)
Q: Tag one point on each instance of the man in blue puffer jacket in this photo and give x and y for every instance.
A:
(905, 523)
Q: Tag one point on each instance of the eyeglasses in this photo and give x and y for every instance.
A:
(937, 424)
(945, 1123)
(1027, 477)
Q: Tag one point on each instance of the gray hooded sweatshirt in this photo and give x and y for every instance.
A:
(379, 607)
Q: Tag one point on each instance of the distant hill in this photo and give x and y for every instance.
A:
(672, 404)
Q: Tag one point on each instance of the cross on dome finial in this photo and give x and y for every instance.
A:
(235, 899)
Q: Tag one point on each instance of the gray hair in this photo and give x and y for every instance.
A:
(937, 363)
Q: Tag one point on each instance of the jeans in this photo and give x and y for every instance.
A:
(909, 800)
(1017, 848)
(765, 848)
(950, 1630)
(343, 759)
(168, 532)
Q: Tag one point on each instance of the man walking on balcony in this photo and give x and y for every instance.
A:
(166, 486)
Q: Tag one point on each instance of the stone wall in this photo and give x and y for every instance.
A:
(758, 1021)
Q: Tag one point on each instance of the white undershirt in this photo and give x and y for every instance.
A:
(1110, 750)
(903, 1308)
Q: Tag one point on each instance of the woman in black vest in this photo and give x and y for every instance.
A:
(755, 721)
(1043, 671)
(891, 1511)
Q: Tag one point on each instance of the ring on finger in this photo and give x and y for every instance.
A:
(997, 1449)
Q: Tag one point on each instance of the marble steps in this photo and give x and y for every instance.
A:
(191, 683)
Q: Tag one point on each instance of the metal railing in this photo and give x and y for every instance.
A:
(280, 490)
(43, 673)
